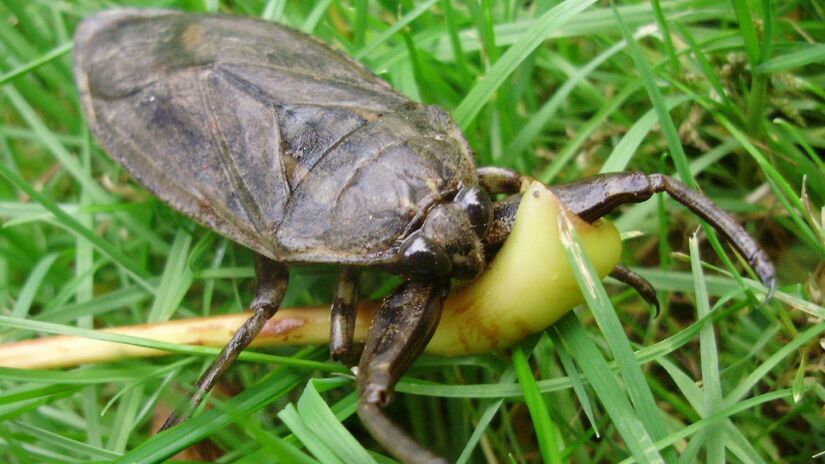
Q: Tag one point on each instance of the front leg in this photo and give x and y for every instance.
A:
(272, 280)
(596, 196)
(401, 329)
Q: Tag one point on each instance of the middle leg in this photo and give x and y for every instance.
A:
(342, 318)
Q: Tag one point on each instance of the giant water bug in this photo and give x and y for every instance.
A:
(296, 151)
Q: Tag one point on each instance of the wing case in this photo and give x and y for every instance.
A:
(265, 134)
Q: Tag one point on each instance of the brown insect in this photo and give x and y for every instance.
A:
(299, 153)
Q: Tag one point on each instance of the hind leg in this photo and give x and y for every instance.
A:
(272, 280)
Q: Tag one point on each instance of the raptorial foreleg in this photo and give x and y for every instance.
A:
(593, 197)
(401, 329)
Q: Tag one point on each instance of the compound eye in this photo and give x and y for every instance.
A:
(476, 202)
(422, 256)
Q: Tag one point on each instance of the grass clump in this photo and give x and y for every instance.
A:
(726, 96)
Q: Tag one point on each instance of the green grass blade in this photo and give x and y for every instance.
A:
(628, 145)
(124, 422)
(746, 384)
(708, 71)
(69, 162)
(85, 376)
(735, 440)
(164, 445)
(41, 60)
(67, 444)
(175, 281)
(72, 224)
(710, 361)
(311, 21)
(610, 393)
(314, 443)
(785, 62)
(664, 28)
(544, 426)
(549, 108)
(779, 185)
(403, 22)
(586, 130)
(29, 392)
(669, 131)
(320, 419)
(483, 422)
(577, 383)
(279, 449)
(605, 314)
(35, 278)
(724, 413)
(513, 57)
(745, 20)
(112, 301)
(84, 269)
(274, 10)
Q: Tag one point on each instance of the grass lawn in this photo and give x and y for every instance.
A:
(726, 96)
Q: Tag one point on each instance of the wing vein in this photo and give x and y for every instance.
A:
(248, 203)
(261, 95)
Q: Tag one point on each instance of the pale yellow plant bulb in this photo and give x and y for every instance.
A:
(529, 285)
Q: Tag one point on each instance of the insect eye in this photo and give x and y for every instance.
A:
(476, 202)
(423, 256)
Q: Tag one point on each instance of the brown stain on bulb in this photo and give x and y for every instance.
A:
(282, 327)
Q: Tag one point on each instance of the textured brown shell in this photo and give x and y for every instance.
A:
(264, 134)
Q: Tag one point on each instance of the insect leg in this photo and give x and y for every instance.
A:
(644, 288)
(342, 319)
(398, 334)
(497, 180)
(596, 196)
(272, 280)
(504, 216)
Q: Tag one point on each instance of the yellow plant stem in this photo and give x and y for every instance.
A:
(527, 287)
